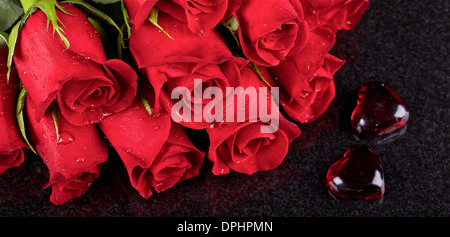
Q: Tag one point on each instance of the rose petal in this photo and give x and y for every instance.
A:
(12, 147)
(66, 160)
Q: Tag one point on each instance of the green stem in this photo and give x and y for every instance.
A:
(26, 4)
(255, 69)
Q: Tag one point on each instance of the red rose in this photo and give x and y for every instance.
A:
(242, 146)
(171, 63)
(85, 84)
(315, 98)
(12, 147)
(296, 77)
(201, 15)
(335, 14)
(156, 152)
(269, 30)
(73, 161)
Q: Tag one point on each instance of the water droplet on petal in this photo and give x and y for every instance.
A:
(156, 115)
(79, 159)
(65, 138)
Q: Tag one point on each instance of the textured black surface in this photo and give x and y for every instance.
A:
(401, 43)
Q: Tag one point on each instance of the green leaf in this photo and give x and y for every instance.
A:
(9, 14)
(11, 46)
(4, 39)
(154, 20)
(19, 116)
(12, 39)
(126, 18)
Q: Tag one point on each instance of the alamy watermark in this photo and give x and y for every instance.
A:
(207, 104)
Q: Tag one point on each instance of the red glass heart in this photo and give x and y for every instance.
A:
(379, 111)
(357, 175)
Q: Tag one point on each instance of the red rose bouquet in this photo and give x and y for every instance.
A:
(243, 72)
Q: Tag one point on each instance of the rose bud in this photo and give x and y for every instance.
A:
(244, 149)
(269, 30)
(175, 62)
(335, 14)
(86, 86)
(72, 154)
(12, 147)
(294, 76)
(243, 146)
(156, 152)
(201, 15)
(315, 98)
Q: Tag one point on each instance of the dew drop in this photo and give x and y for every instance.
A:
(80, 159)
(90, 34)
(65, 138)
(156, 127)
(129, 150)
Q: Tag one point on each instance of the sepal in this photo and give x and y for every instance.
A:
(153, 18)
(146, 105)
(20, 104)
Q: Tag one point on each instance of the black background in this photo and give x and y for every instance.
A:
(401, 43)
